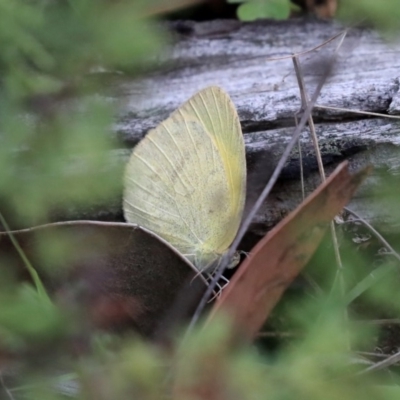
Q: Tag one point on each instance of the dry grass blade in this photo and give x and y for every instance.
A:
(314, 138)
(349, 110)
(394, 359)
(280, 256)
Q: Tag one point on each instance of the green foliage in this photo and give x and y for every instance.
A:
(255, 9)
(27, 318)
(133, 369)
(384, 15)
(56, 147)
(55, 130)
(55, 141)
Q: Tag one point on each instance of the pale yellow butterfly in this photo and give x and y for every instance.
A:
(186, 180)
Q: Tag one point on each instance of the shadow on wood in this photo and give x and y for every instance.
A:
(123, 275)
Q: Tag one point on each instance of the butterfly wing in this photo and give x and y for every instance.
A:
(217, 113)
(182, 182)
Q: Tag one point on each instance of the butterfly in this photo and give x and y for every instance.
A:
(186, 180)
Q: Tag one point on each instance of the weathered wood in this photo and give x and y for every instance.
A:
(252, 62)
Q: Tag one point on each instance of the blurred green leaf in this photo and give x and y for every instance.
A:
(64, 162)
(56, 142)
(372, 279)
(130, 368)
(57, 152)
(384, 15)
(257, 9)
(40, 289)
(25, 316)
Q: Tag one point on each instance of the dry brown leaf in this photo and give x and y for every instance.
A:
(278, 258)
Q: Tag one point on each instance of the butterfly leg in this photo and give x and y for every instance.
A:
(209, 278)
(219, 287)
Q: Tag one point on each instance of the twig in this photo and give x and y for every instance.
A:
(6, 389)
(304, 101)
(302, 53)
(303, 192)
(369, 354)
(374, 114)
(394, 359)
(225, 259)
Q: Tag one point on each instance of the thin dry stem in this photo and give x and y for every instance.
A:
(313, 134)
(265, 192)
(373, 114)
(394, 359)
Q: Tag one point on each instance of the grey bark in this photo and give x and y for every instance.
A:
(251, 61)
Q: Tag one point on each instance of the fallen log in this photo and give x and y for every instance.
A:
(252, 62)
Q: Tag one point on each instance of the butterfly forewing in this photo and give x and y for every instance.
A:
(183, 182)
(215, 110)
